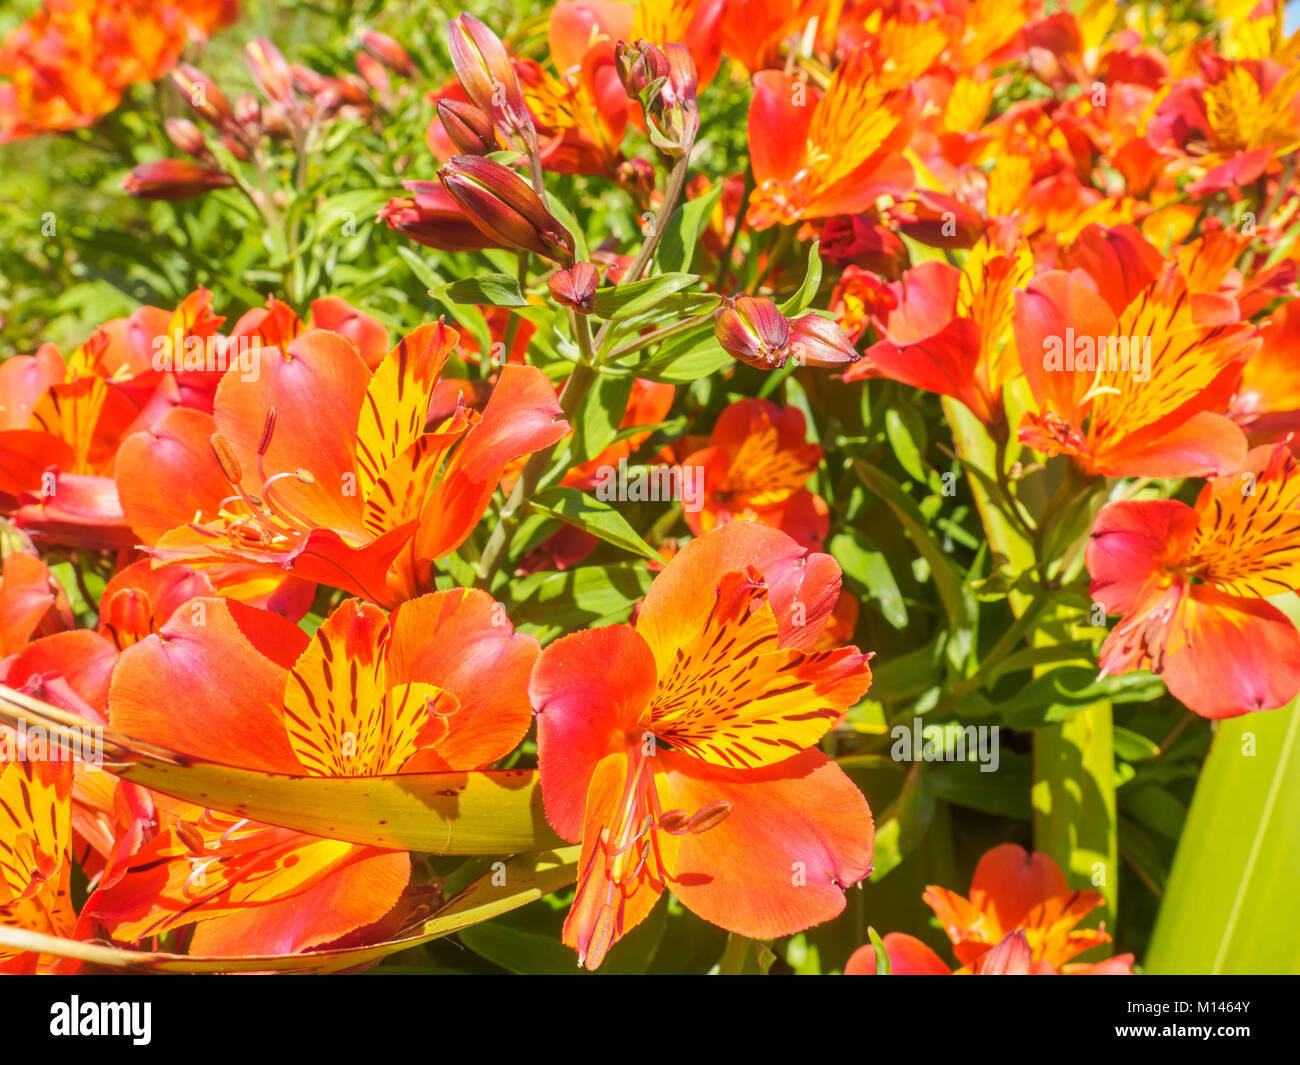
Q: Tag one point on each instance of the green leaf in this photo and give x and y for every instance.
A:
(903, 824)
(681, 234)
(1230, 902)
(812, 282)
(623, 301)
(591, 515)
(496, 290)
(870, 568)
(956, 597)
(882, 955)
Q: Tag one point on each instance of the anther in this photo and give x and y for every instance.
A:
(226, 459)
(707, 817)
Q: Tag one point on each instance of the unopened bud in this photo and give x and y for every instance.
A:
(388, 52)
(753, 330)
(505, 207)
(174, 179)
(470, 130)
(818, 341)
(575, 287)
(488, 76)
(186, 136)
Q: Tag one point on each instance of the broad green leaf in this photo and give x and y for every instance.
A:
(496, 290)
(682, 232)
(591, 515)
(623, 301)
(812, 282)
(1230, 902)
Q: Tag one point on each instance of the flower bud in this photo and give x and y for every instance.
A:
(818, 341)
(505, 207)
(434, 219)
(639, 65)
(174, 179)
(469, 129)
(637, 178)
(383, 48)
(751, 329)
(186, 136)
(575, 287)
(248, 113)
(202, 94)
(488, 76)
(271, 72)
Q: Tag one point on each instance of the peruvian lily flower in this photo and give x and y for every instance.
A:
(756, 468)
(35, 855)
(1020, 919)
(1129, 381)
(682, 751)
(948, 330)
(1191, 583)
(317, 467)
(816, 155)
(438, 686)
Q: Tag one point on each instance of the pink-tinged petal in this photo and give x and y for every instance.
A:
(367, 333)
(461, 642)
(1009, 882)
(908, 956)
(589, 689)
(1131, 542)
(82, 510)
(798, 833)
(778, 129)
(802, 587)
(575, 25)
(1205, 445)
(24, 380)
(522, 416)
(232, 663)
(167, 476)
(1231, 656)
(316, 387)
(1010, 957)
(70, 670)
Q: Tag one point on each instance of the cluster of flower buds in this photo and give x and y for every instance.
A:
(664, 80)
(505, 208)
(485, 71)
(753, 330)
(294, 98)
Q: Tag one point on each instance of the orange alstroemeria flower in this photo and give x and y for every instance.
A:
(682, 751)
(321, 468)
(438, 686)
(756, 468)
(815, 155)
(1130, 377)
(1191, 583)
(1020, 919)
(35, 853)
(61, 423)
(70, 63)
(948, 330)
